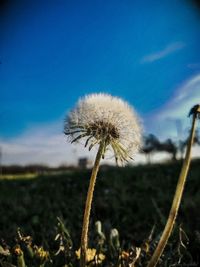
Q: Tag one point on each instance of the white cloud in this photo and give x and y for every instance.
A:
(185, 97)
(169, 49)
(44, 144)
(171, 121)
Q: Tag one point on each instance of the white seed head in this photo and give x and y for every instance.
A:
(102, 118)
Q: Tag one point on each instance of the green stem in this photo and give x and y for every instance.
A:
(84, 236)
(176, 201)
(20, 260)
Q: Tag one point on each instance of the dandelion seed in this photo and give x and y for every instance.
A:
(101, 118)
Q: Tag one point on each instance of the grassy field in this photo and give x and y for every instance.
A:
(131, 199)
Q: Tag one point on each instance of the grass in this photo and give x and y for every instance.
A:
(131, 199)
(18, 176)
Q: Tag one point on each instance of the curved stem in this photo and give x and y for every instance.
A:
(84, 236)
(176, 201)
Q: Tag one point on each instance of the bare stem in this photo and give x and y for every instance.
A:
(84, 236)
(176, 201)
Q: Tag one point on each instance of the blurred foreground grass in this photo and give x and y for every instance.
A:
(131, 199)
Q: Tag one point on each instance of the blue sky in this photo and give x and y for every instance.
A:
(53, 52)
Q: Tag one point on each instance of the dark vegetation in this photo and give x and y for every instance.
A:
(134, 200)
(34, 169)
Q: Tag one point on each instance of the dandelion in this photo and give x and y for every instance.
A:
(109, 123)
(107, 120)
(195, 113)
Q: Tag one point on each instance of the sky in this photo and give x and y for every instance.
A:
(54, 52)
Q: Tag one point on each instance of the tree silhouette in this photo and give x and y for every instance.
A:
(183, 143)
(152, 144)
(170, 147)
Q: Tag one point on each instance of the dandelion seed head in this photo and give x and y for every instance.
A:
(195, 110)
(101, 118)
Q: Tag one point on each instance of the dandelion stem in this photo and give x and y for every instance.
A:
(176, 201)
(84, 236)
(20, 260)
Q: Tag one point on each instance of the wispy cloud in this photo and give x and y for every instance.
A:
(44, 144)
(172, 120)
(187, 95)
(169, 49)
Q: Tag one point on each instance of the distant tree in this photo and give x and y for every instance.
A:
(152, 144)
(183, 143)
(170, 147)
